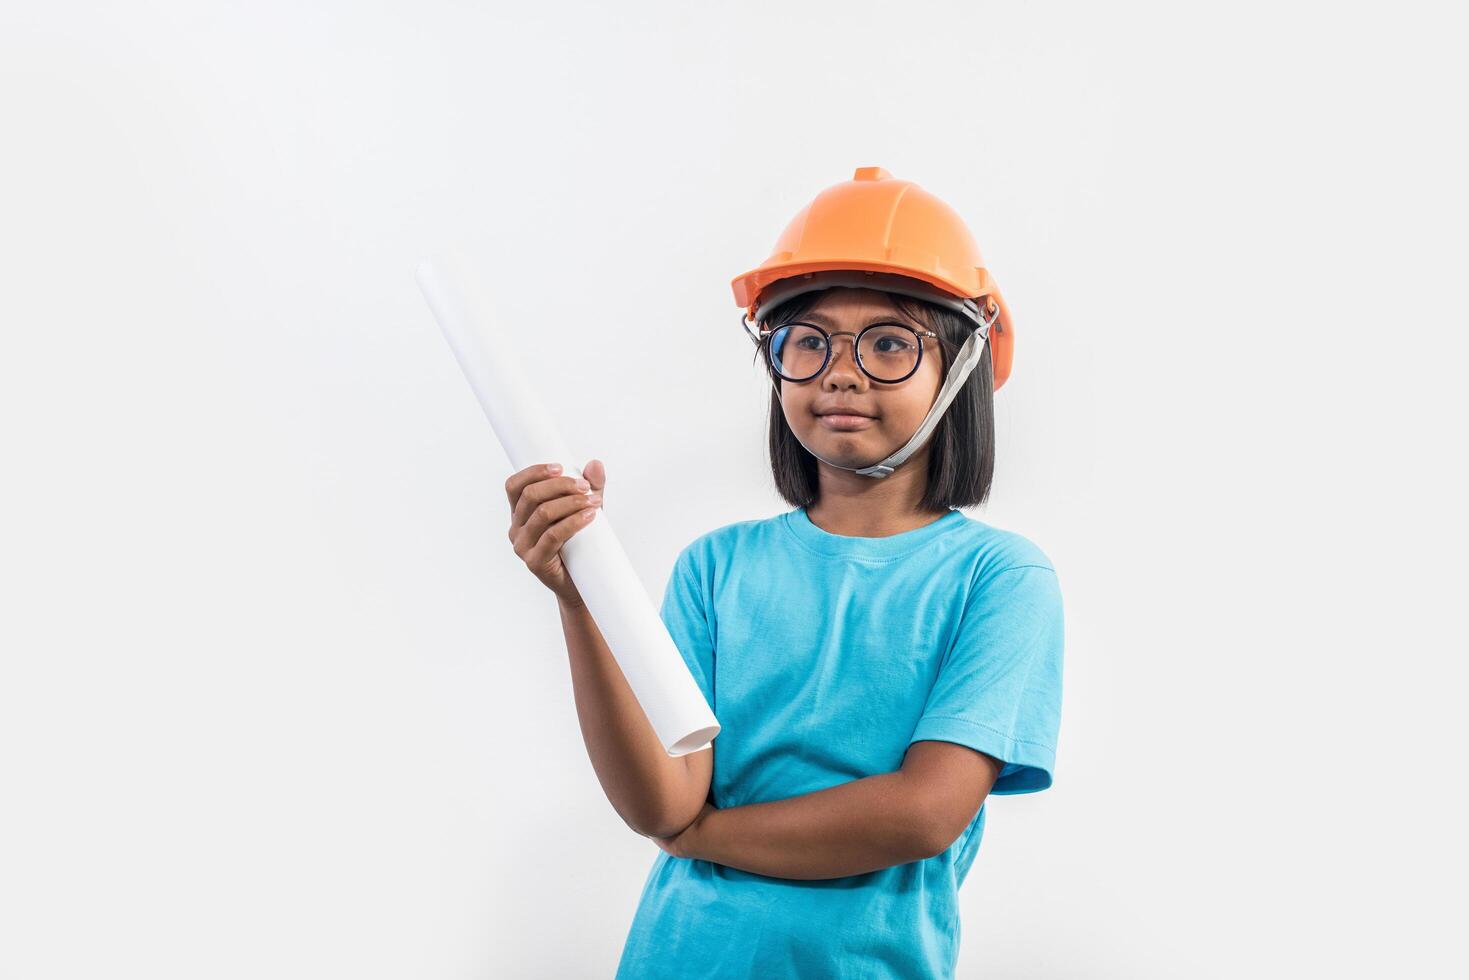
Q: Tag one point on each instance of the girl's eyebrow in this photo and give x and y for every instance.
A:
(880, 318)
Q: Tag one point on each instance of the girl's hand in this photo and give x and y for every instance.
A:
(681, 845)
(546, 509)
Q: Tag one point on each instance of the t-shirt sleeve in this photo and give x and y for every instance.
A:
(999, 689)
(683, 612)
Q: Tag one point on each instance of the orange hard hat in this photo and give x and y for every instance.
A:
(877, 224)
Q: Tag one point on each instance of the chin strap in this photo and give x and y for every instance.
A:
(967, 360)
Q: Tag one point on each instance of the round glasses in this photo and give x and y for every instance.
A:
(886, 352)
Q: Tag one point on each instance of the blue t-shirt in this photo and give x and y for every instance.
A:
(824, 656)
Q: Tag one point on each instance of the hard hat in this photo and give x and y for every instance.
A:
(877, 232)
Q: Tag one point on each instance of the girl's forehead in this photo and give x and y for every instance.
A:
(840, 298)
(853, 296)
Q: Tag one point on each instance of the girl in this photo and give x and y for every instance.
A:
(880, 663)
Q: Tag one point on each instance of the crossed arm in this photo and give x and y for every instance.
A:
(852, 828)
(855, 827)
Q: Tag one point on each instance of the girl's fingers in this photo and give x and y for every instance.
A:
(547, 515)
(521, 479)
(540, 492)
(596, 473)
(558, 534)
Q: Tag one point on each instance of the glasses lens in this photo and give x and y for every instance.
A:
(889, 352)
(797, 351)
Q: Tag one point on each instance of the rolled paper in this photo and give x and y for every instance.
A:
(594, 558)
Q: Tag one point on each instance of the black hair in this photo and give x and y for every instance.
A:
(961, 448)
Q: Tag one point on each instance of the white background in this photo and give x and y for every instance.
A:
(279, 700)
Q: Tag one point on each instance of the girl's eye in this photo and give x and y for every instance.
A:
(809, 342)
(890, 343)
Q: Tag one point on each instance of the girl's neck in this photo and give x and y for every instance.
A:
(862, 507)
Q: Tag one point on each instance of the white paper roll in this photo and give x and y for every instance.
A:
(594, 558)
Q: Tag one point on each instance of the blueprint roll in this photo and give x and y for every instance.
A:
(607, 581)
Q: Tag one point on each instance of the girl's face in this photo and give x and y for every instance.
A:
(894, 411)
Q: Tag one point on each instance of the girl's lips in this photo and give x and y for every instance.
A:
(845, 423)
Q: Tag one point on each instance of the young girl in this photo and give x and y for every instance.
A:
(880, 663)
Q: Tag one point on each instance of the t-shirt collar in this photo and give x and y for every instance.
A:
(845, 546)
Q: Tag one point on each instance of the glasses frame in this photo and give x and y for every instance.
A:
(763, 337)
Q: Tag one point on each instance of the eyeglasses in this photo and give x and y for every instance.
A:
(886, 352)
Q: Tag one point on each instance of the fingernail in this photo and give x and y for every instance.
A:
(583, 485)
(555, 467)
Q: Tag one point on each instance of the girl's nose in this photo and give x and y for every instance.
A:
(843, 360)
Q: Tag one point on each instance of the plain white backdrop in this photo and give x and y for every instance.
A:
(277, 699)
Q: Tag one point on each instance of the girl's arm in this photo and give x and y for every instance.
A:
(656, 794)
(852, 828)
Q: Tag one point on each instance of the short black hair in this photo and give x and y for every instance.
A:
(961, 448)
